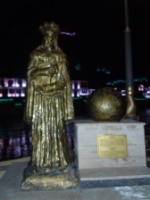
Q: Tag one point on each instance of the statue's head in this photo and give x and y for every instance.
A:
(50, 32)
(49, 28)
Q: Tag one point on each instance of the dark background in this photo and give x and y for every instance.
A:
(99, 41)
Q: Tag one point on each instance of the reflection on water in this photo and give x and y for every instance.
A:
(15, 136)
(16, 140)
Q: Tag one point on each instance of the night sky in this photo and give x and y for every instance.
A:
(99, 40)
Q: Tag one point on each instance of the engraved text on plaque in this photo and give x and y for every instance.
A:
(112, 146)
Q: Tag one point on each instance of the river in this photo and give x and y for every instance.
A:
(16, 140)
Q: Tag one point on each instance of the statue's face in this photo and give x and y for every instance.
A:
(49, 39)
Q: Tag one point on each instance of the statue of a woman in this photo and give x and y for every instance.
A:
(49, 104)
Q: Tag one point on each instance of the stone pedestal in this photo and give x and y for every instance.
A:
(58, 179)
(111, 168)
(45, 182)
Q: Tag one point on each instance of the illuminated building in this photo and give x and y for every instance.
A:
(16, 87)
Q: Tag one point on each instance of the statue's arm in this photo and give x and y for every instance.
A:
(60, 81)
(30, 91)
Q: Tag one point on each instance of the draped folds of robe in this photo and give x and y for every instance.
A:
(48, 106)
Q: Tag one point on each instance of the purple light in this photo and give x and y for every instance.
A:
(67, 33)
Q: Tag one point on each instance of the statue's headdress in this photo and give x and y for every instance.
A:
(49, 27)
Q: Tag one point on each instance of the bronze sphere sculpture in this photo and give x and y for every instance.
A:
(106, 104)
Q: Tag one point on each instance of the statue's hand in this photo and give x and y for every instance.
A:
(47, 88)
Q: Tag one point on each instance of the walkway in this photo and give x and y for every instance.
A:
(11, 175)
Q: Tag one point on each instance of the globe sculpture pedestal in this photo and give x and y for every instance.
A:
(111, 154)
(110, 149)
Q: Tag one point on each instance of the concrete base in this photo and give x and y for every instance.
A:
(127, 176)
(65, 179)
(107, 172)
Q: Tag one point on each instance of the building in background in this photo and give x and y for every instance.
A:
(16, 87)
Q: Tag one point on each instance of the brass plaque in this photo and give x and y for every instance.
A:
(112, 146)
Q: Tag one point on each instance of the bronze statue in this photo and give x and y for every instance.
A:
(49, 106)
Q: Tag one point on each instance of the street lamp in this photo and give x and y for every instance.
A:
(130, 104)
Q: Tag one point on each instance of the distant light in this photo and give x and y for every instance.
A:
(141, 88)
(18, 104)
(22, 95)
(67, 33)
(98, 69)
(24, 83)
(5, 100)
(107, 72)
(78, 67)
(102, 69)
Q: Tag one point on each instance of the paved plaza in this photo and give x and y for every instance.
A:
(11, 176)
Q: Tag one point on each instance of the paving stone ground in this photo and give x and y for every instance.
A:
(11, 177)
